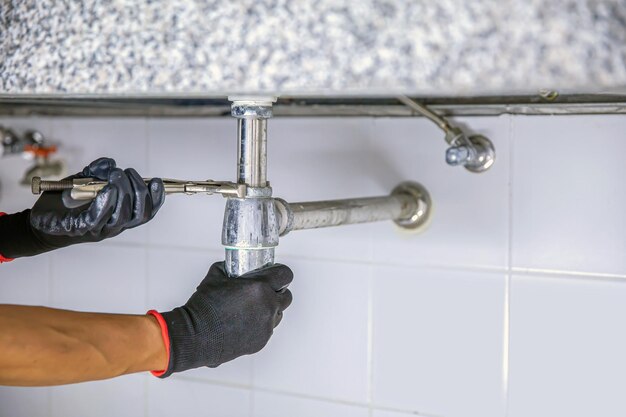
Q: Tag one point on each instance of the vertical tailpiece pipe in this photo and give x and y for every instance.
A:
(250, 230)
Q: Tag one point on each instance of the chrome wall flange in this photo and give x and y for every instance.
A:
(485, 154)
(421, 212)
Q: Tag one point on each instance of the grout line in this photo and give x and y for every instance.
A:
(49, 401)
(506, 347)
(370, 297)
(182, 248)
(370, 340)
(555, 273)
(313, 397)
(217, 382)
(537, 272)
(251, 405)
(403, 411)
(462, 268)
(506, 344)
(146, 397)
(509, 255)
(337, 401)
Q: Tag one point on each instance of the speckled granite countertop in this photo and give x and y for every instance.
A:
(213, 47)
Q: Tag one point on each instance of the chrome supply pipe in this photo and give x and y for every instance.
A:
(476, 153)
(409, 206)
(250, 231)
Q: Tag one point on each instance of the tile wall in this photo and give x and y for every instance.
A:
(512, 302)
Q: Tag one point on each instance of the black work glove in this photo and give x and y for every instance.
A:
(225, 318)
(56, 221)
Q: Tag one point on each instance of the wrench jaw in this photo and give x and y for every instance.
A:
(86, 188)
(210, 187)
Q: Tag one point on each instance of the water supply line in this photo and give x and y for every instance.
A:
(476, 153)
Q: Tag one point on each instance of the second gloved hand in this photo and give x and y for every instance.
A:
(225, 318)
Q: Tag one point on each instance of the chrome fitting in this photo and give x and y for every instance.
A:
(244, 107)
(243, 111)
(420, 213)
(475, 153)
(249, 234)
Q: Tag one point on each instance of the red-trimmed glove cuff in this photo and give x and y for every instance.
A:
(166, 340)
(2, 258)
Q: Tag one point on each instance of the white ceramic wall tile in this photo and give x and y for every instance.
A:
(82, 140)
(173, 276)
(438, 337)
(438, 341)
(276, 405)
(121, 397)
(191, 149)
(569, 197)
(25, 281)
(21, 124)
(323, 159)
(567, 347)
(23, 402)
(320, 347)
(470, 216)
(179, 397)
(189, 222)
(96, 277)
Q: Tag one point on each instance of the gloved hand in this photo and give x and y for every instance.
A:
(125, 202)
(225, 318)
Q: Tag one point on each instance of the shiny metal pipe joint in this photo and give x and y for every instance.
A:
(250, 234)
(476, 152)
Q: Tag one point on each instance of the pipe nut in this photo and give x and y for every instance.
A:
(250, 110)
(250, 223)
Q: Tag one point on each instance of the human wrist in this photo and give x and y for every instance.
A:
(159, 345)
(19, 238)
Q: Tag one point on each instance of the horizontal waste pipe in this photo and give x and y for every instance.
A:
(408, 206)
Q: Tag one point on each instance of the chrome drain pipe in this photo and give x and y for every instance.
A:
(254, 222)
(250, 231)
(409, 206)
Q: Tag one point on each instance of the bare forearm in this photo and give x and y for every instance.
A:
(44, 346)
